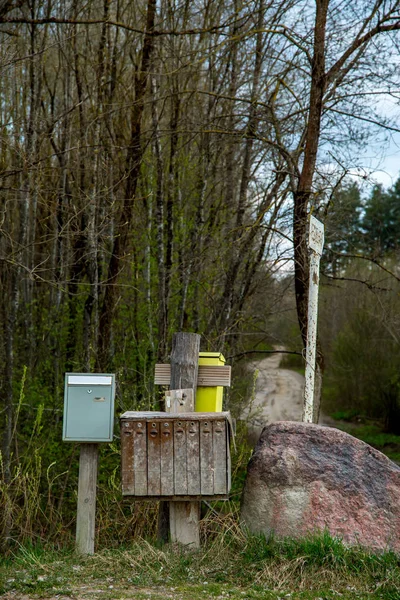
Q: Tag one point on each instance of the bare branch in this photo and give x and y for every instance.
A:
(370, 286)
(362, 40)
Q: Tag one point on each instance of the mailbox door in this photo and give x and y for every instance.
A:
(89, 413)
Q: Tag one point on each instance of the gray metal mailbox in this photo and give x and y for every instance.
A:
(89, 407)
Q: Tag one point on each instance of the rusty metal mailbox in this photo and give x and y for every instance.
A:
(175, 456)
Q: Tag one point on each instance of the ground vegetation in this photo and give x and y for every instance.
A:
(231, 564)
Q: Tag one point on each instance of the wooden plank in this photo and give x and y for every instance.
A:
(86, 509)
(206, 458)
(180, 460)
(208, 375)
(153, 458)
(140, 415)
(183, 498)
(127, 469)
(184, 360)
(167, 458)
(213, 375)
(140, 457)
(185, 517)
(219, 455)
(193, 458)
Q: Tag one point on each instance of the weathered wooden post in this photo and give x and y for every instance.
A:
(316, 244)
(185, 516)
(86, 506)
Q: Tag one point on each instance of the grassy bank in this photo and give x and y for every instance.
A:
(231, 564)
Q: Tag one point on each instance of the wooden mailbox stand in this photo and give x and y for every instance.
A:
(89, 420)
(179, 455)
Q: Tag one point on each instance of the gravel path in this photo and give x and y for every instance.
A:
(278, 396)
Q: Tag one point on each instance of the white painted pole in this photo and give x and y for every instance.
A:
(316, 244)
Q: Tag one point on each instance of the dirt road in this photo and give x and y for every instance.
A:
(278, 395)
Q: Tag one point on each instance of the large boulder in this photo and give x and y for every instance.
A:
(304, 478)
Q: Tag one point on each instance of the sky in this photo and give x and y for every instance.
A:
(384, 158)
(385, 169)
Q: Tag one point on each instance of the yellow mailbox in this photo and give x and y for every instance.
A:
(209, 399)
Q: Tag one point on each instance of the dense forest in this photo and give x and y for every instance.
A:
(360, 303)
(158, 163)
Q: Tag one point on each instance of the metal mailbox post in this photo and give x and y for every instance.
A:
(89, 419)
(169, 456)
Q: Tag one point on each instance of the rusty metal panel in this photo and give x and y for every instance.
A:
(193, 457)
(206, 458)
(140, 457)
(219, 455)
(128, 477)
(153, 458)
(180, 460)
(173, 456)
(228, 464)
(167, 458)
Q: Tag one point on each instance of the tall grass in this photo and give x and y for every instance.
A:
(39, 499)
(38, 496)
(230, 564)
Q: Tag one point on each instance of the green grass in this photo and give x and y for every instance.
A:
(230, 564)
(371, 433)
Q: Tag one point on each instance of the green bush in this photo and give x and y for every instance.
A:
(364, 371)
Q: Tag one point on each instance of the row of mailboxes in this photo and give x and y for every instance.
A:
(175, 456)
(164, 455)
(89, 398)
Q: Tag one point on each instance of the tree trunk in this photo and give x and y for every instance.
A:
(304, 188)
(162, 300)
(228, 297)
(124, 224)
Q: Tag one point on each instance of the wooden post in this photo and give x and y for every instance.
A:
(86, 511)
(185, 516)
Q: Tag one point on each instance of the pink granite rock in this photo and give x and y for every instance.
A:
(303, 478)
